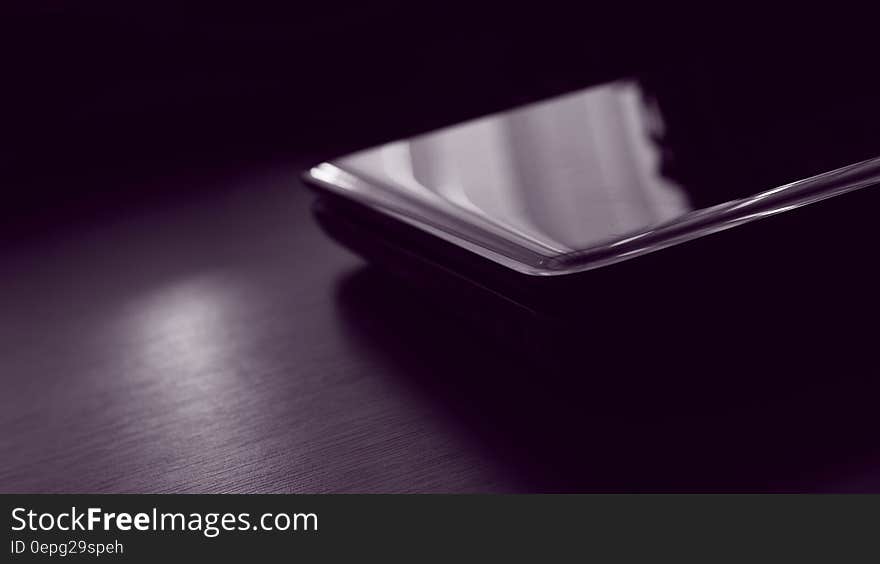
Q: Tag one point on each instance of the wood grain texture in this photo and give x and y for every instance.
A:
(195, 345)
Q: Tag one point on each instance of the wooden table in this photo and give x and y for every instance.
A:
(196, 332)
(200, 344)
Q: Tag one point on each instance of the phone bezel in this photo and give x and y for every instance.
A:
(507, 252)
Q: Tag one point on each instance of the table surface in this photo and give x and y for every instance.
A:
(200, 344)
(214, 340)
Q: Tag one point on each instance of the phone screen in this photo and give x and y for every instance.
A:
(591, 169)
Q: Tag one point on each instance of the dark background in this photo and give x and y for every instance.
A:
(172, 319)
(97, 89)
(136, 87)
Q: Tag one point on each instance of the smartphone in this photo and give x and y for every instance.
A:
(696, 196)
